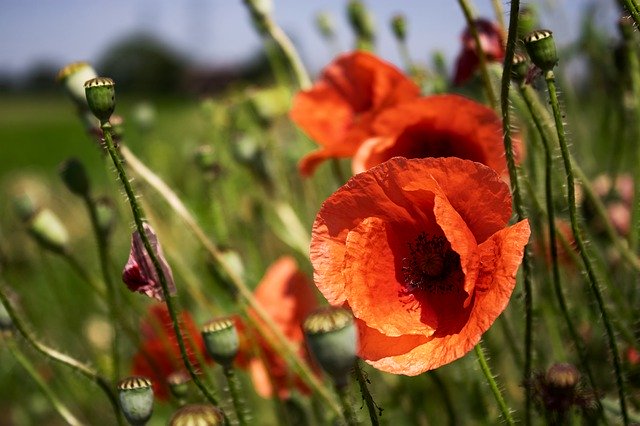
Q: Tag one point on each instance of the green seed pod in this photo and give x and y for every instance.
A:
(542, 49)
(333, 341)
(399, 27)
(74, 176)
(101, 97)
(49, 231)
(197, 415)
(221, 340)
(178, 382)
(361, 21)
(325, 25)
(72, 77)
(136, 399)
(520, 67)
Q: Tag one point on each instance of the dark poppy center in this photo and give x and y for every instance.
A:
(430, 265)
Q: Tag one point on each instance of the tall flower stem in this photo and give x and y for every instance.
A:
(137, 216)
(633, 9)
(573, 215)
(482, 58)
(283, 345)
(527, 265)
(58, 405)
(347, 406)
(374, 411)
(61, 358)
(236, 394)
(506, 413)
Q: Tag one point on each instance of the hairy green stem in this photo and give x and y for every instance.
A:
(506, 413)
(236, 395)
(582, 248)
(374, 410)
(633, 9)
(527, 264)
(61, 358)
(169, 301)
(347, 406)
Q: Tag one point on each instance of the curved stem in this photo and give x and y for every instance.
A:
(61, 358)
(374, 410)
(506, 413)
(137, 216)
(573, 215)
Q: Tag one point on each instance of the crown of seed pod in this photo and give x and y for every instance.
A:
(542, 49)
(136, 399)
(178, 382)
(519, 68)
(197, 415)
(221, 340)
(331, 336)
(74, 176)
(101, 97)
(72, 77)
(49, 231)
(399, 27)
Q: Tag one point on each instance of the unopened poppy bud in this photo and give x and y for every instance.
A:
(562, 376)
(197, 415)
(136, 399)
(106, 215)
(542, 49)
(74, 176)
(221, 340)
(72, 77)
(325, 25)
(178, 382)
(399, 27)
(49, 231)
(333, 341)
(519, 68)
(101, 97)
(527, 21)
(361, 21)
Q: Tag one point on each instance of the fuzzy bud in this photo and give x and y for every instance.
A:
(325, 25)
(542, 49)
(197, 415)
(333, 341)
(527, 21)
(399, 27)
(101, 97)
(74, 176)
(136, 399)
(361, 22)
(221, 340)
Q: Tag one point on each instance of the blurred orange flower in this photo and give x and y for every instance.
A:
(492, 43)
(337, 110)
(159, 354)
(435, 126)
(422, 253)
(286, 294)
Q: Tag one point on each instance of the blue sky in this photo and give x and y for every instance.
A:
(219, 31)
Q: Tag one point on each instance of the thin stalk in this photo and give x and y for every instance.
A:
(347, 406)
(137, 216)
(284, 346)
(499, 12)
(61, 358)
(527, 265)
(58, 405)
(633, 9)
(374, 410)
(482, 58)
(446, 396)
(506, 413)
(236, 394)
(573, 215)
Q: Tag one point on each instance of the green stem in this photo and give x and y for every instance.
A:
(499, 12)
(347, 406)
(61, 358)
(482, 58)
(506, 413)
(169, 301)
(573, 215)
(236, 395)
(58, 405)
(112, 294)
(446, 396)
(374, 410)
(633, 9)
(527, 266)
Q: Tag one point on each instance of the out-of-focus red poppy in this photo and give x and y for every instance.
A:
(159, 353)
(337, 110)
(492, 43)
(287, 296)
(617, 197)
(435, 126)
(422, 253)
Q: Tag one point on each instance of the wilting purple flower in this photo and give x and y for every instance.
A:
(139, 273)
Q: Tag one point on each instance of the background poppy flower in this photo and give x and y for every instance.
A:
(421, 252)
(159, 353)
(287, 295)
(492, 43)
(435, 126)
(337, 110)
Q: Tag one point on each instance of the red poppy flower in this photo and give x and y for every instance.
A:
(492, 43)
(139, 273)
(422, 253)
(435, 126)
(287, 295)
(159, 354)
(337, 110)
